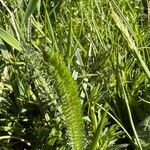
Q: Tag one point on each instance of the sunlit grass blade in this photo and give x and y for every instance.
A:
(7, 137)
(8, 38)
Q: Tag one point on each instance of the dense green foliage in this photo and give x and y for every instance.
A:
(74, 74)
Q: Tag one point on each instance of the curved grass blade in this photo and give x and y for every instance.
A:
(117, 121)
(68, 92)
(8, 38)
(6, 137)
(131, 118)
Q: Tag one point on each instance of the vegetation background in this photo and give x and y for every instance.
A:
(74, 74)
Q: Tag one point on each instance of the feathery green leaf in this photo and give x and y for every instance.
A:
(71, 104)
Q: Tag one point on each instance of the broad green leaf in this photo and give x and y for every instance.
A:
(8, 38)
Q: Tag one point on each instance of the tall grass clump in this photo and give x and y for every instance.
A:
(74, 74)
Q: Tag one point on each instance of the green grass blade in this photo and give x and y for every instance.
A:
(6, 137)
(98, 132)
(130, 117)
(117, 121)
(30, 8)
(9, 39)
(50, 29)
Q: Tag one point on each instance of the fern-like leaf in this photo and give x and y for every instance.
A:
(68, 92)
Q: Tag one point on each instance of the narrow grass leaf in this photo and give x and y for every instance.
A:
(130, 117)
(30, 8)
(123, 28)
(50, 29)
(8, 38)
(117, 121)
